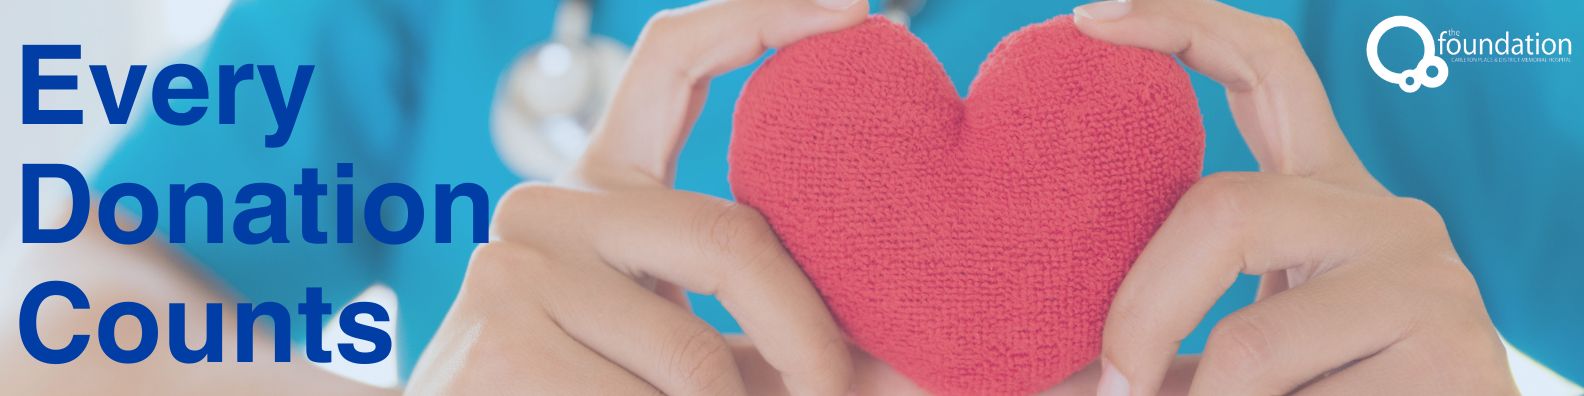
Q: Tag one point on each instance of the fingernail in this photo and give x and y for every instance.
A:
(836, 5)
(1112, 383)
(1104, 10)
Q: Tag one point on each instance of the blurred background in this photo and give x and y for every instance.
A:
(495, 92)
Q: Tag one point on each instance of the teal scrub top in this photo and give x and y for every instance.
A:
(403, 90)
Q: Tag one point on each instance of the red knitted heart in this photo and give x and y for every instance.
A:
(973, 244)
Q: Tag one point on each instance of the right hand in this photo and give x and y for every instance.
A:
(580, 290)
(1361, 291)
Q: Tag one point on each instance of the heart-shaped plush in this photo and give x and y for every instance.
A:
(972, 244)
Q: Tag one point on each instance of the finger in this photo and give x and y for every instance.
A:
(705, 245)
(547, 361)
(871, 376)
(494, 341)
(758, 375)
(1288, 339)
(661, 90)
(1275, 95)
(1391, 372)
(1459, 331)
(1084, 382)
(1402, 370)
(1228, 223)
(675, 351)
(875, 377)
(1405, 369)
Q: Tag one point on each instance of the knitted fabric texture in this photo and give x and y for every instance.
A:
(974, 245)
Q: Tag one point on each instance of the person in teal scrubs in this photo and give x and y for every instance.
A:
(404, 89)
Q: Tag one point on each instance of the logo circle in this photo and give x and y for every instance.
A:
(1408, 80)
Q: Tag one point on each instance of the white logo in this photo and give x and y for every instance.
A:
(1408, 80)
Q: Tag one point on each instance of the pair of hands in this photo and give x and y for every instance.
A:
(581, 291)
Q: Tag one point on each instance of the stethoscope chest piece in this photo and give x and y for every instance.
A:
(546, 105)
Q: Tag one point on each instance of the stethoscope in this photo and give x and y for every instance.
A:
(547, 103)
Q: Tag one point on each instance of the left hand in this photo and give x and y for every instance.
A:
(1361, 291)
(580, 289)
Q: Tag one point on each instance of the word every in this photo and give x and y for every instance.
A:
(285, 105)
